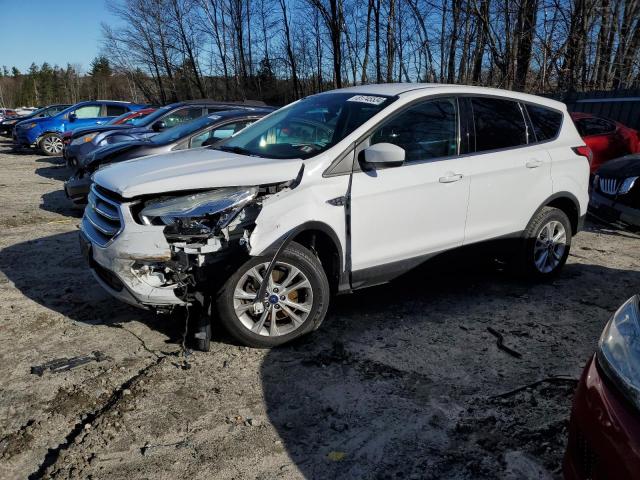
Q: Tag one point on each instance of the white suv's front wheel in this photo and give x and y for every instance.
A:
(295, 301)
(546, 244)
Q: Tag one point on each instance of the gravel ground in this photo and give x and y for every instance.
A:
(401, 381)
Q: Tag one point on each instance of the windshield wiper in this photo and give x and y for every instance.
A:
(238, 150)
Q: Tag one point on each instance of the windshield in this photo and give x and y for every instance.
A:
(149, 119)
(308, 127)
(38, 111)
(181, 131)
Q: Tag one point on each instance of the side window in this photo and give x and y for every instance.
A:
(88, 111)
(220, 133)
(546, 122)
(499, 124)
(425, 131)
(182, 115)
(116, 110)
(594, 126)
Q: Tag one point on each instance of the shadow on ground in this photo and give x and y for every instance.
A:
(399, 381)
(51, 272)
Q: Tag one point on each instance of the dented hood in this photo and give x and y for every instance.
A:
(196, 169)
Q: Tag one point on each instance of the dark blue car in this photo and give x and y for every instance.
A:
(45, 133)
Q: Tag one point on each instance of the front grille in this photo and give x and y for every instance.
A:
(609, 186)
(101, 221)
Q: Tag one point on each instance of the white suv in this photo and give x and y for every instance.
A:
(335, 192)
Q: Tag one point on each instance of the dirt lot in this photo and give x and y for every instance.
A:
(400, 381)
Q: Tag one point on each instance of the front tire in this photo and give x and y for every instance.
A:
(546, 244)
(51, 145)
(295, 303)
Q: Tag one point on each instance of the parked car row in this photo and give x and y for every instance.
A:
(203, 131)
(8, 124)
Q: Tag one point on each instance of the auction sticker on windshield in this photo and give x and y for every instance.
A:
(367, 99)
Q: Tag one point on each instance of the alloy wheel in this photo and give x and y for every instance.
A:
(52, 144)
(286, 304)
(550, 246)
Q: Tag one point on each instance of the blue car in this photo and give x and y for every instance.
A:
(46, 133)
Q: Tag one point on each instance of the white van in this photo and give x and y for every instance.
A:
(335, 192)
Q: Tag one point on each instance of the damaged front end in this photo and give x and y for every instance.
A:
(176, 250)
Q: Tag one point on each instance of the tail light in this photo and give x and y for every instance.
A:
(583, 151)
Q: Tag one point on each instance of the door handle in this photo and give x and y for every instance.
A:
(533, 163)
(450, 178)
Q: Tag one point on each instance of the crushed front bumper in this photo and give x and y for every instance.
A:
(119, 265)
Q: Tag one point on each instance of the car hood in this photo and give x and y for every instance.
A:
(195, 169)
(628, 166)
(37, 121)
(113, 149)
(78, 132)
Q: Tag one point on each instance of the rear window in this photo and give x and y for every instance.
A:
(546, 122)
(499, 124)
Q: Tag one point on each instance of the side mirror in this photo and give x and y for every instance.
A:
(386, 154)
(73, 117)
(159, 125)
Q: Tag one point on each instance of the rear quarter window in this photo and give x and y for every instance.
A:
(499, 124)
(546, 122)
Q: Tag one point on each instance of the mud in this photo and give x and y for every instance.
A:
(401, 381)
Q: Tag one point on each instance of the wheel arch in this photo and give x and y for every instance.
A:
(47, 132)
(323, 241)
(569, 204)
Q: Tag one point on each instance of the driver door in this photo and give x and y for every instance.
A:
(400, 215)
(86, 116)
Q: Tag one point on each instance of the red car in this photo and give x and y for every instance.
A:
(607, 139)
(122, 119)
(604, 431)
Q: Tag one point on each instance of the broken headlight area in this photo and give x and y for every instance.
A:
(202, 223)
(198, 214)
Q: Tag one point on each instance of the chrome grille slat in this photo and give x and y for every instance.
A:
(609, 186)
(101, 207)
(101, 221)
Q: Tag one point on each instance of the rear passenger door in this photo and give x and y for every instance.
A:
(510, 173)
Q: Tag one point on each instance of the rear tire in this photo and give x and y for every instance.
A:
(51, 145)
(546, 243)
(295, 303)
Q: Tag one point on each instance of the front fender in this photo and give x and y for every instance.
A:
(302, 208)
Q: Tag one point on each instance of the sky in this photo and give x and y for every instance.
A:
(53, 31)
